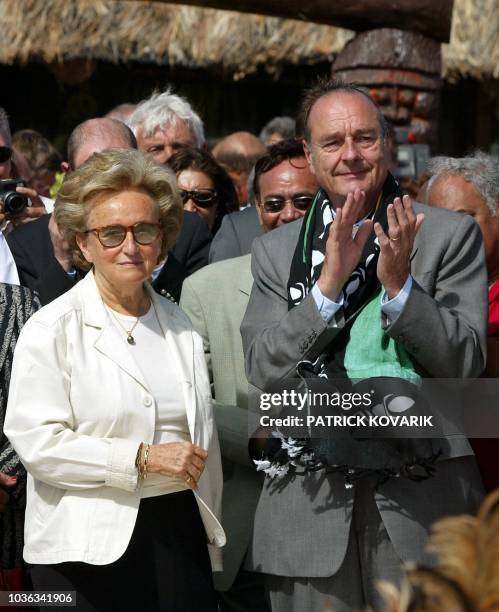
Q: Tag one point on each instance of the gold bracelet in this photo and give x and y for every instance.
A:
(137, 460)
(146, 460)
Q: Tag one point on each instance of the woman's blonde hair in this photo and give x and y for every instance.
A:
(110, 172)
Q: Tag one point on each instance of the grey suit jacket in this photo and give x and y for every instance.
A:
(236, 235)
(215, 299)
(302, 529)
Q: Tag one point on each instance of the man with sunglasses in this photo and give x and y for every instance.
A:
(215, 299)
(283, 185)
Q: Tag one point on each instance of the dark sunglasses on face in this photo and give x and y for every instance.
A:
(114, 235)
(204, 198)
(5, 154)
(275, 205)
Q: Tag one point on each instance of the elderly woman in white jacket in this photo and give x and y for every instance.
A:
(110, 409)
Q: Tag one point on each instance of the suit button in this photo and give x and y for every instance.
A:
(147, 401)
(163, 292)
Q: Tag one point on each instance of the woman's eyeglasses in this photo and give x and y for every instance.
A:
(5, 154)
(275, 205)
(114, 235)
(204, 198)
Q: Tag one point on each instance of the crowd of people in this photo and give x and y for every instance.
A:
(151, 287)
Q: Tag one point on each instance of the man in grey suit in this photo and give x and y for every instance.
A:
(366, 285)
(215, 299)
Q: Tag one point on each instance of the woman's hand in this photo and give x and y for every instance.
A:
(180, 459)
(8, 482)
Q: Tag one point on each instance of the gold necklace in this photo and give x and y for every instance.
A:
(129, 338)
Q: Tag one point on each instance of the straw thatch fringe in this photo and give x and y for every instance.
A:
(152, 32)
(473, 50)
(157, 33)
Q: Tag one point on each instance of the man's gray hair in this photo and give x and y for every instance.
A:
(162, 109)
(5, 127)
(479, 169)
(285, 126)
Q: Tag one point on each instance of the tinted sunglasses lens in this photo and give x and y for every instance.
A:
(145, 233)
(5, 154)
(273, 206)
(303, 202)
(112, 236)
(204, 199)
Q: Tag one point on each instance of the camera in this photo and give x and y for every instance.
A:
(13, 203)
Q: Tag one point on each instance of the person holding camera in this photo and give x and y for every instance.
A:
(18, 203)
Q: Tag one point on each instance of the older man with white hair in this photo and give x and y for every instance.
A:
(163, 123)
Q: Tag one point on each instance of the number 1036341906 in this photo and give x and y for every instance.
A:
(41, 598)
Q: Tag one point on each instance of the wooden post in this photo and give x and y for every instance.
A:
(429, 17)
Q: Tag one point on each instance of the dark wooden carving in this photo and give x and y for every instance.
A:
(429, 17)
(401, 70)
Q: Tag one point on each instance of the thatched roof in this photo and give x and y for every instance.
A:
(157, 33)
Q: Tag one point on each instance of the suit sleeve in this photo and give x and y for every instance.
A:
(225, 244)
(445, 332)
(275, 339)
(53, 282)
(193, 245)
(40, 421)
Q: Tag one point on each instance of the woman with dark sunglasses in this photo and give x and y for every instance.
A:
(205, 187)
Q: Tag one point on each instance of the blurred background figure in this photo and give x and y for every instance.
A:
(465, 577)
(205, 187)
(122, 112)
(238, 153)
(43, 158)
(278, 128)
(17, 304)
(163, 123)
(470, 185)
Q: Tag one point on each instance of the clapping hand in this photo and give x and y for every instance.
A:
(396, 247)
(343, 248)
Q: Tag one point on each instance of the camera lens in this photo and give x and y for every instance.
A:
(14, 203)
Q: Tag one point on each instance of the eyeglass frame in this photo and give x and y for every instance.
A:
(127, 228)
(284, 201)
(191, 196)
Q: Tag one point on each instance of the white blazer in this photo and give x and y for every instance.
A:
(78, 408)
